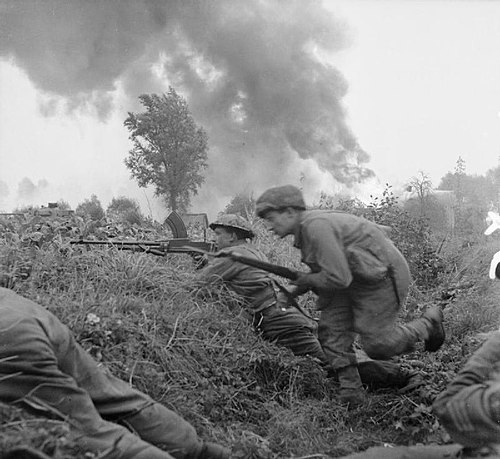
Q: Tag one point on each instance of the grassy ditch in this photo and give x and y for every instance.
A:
(193, 350)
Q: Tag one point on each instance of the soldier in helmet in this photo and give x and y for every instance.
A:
(361, 280)
(275, 314)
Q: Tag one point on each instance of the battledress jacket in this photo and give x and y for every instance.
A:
(253, 285)
(469, 408)
(343, 250)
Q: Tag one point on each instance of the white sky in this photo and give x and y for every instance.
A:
(424, 84)
(424, 88)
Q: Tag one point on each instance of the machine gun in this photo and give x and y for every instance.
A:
(179, 244)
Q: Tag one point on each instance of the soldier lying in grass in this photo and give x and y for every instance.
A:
(469, 409)
(42, 367)
(276, 316)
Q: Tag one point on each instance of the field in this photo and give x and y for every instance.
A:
(192, 349)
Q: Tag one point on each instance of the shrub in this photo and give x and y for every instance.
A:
(91, 208)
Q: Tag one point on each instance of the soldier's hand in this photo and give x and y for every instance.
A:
(303, 280)
(200, 260)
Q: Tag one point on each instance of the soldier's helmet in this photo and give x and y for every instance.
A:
(280, 197)
(234, 222)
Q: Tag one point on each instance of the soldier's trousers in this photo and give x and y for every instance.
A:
(43, 368)
(289, 327)
(372, 312)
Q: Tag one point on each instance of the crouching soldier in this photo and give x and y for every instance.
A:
(43, 367)
(274, 314)
(361, 280)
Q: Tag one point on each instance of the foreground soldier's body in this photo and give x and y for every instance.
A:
(361, 280)
(42, 367)
(469, 409)
(275, 315)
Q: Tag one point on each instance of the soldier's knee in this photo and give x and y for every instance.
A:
(376, 348)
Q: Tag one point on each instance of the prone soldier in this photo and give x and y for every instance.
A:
(41, 365)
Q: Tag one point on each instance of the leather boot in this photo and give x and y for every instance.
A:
(351, 390)
(414, 381)
(435, 330)
(214, 451)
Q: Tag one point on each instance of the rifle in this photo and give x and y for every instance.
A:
(279, 270)
(179, 244)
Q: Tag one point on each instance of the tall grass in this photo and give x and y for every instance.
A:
(193, 349)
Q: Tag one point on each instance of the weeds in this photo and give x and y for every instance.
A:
(193, 350)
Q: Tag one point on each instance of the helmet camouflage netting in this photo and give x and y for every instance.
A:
(233, 221)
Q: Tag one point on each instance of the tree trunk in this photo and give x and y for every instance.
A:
(173, 202)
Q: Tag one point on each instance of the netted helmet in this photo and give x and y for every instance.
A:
(235, 222)
(280, 197)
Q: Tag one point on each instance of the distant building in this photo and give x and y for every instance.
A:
(444, 199)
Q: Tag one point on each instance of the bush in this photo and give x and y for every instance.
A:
(411, 235)
(91, 208)
(124, 210)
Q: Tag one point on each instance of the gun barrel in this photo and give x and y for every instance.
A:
(160, 248)
(122, 242)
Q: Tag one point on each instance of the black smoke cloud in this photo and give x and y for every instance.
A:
(249, 69)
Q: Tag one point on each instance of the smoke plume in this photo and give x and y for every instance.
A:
(250, 70)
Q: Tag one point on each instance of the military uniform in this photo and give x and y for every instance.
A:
(271, 313)
(43, 368)
(361, 280)
(329, 241)
(277, 317)
(469, 408)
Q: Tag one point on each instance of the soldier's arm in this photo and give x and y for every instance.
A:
(469, 408)
(220, 269)
(327, 253)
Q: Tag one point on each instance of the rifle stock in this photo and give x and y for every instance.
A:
(281, 271)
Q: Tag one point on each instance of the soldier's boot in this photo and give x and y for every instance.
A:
(413, 381)
(429, 328)
(435, 330)
(214, 451)
(351, 390)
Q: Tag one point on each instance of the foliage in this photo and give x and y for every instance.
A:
(91, 208)
(475, 195)
(242, 204)
(63, 205)
(338, 201)
(123, 209)
(50, 437)
(411, 234)
(421, 184)
(145, 318)
(169, 149)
